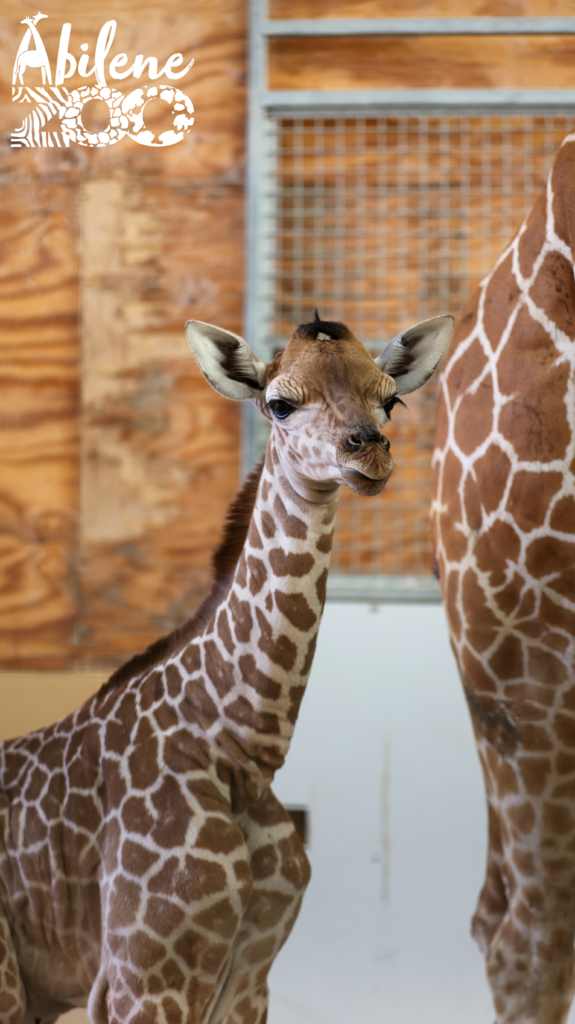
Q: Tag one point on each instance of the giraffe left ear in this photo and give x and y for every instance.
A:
(414, 355)
(226, 361)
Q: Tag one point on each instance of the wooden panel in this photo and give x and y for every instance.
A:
(38, 429)
(420, 8)
(32, 700)
(160, 447)
(162, 241)
(449, 62)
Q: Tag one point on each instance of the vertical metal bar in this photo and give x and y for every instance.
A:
(257, 82)
(299, 220)
(268, 234)
(320, 171)
(339, 246)
(381, 201)
(464, 210)
(362, 227)
(528, 164)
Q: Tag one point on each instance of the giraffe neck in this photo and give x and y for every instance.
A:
(244, 676)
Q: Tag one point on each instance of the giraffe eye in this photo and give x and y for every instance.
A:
(389, 405)
(281, 409)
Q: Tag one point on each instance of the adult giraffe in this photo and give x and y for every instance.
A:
(504, 525)
(146, 867)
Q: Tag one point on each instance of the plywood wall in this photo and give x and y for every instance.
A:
(116, 459)
(424, 62)
(420, 8)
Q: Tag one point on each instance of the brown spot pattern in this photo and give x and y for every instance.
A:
(281, 650)
(291, 525)
(504, 533)
(296, 609)
(290, 564)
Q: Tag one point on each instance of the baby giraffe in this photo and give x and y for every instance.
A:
(147, 871)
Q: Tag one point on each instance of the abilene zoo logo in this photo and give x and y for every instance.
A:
(127, 113)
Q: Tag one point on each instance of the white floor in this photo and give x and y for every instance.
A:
(383, 757)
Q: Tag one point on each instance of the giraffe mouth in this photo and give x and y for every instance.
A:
(362, 484)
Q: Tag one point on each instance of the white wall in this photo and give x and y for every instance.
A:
(383, 755)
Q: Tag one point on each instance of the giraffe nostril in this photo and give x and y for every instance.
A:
(352, 442)
(362, 436)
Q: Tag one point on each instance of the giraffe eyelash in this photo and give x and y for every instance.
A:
(391, 403)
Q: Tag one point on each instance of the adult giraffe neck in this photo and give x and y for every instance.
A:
(244, 676)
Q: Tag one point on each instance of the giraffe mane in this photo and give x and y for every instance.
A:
(333, 328)
(224, 560)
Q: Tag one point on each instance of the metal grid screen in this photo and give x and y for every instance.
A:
(383, 221)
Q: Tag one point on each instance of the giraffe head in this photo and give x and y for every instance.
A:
(327, 400)
(34, 20)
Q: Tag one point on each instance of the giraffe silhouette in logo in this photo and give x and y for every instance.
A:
(504, 523)
(146, 868)
(36, 58)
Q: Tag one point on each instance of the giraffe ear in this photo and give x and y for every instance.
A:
(226, 361)
(413, 356)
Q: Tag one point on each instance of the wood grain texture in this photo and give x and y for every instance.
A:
(420, 62)
(420, 8)
(161, 241)
(108, 520)
(33, 700)
(38, 423)
(160, 448)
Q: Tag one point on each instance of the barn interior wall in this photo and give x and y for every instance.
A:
(116, 460)
(419, 8)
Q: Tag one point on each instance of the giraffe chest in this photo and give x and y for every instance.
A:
(48, 872)
(48, 914)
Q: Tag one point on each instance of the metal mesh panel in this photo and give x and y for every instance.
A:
(381, 222)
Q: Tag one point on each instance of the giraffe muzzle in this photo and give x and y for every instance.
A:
(361, 437)
(364, 460)
(370, 483)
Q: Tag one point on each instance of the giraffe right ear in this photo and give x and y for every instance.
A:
(413, 356)
(226, 361)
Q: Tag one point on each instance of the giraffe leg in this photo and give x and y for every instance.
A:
(281, 872)
(166, 952)
(530, 969)
(530, 886)
(12, 994)
(492, 904)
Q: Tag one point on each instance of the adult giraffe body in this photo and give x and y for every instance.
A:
(146, 868)
(504, 524)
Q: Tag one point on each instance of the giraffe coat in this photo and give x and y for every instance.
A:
(140, 851)
(504, 524)
(146, 868)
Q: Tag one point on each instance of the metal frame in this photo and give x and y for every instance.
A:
(417, 27)
(378, 589)
(482, 101)
(262, 101)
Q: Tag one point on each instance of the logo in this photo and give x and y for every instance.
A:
(53, 102)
